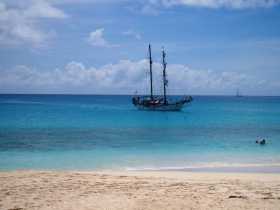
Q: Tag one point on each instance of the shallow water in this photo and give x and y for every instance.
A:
(107, 132)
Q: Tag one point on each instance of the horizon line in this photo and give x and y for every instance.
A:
(125, 94)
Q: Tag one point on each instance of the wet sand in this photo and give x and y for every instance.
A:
(67, 190)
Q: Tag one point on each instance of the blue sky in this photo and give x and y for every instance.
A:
(94, 46)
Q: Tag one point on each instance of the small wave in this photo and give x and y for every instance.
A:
(21, 102)
(204, 166)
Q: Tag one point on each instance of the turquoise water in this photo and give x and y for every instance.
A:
(107, 132)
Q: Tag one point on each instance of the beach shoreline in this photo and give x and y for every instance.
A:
(38, 189)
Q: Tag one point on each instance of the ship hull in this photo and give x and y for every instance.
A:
(158, 104)
(167, 107)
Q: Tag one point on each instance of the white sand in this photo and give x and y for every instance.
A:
(137, 190)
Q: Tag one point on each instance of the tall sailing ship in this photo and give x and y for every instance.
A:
(159, 103)
(238, 93)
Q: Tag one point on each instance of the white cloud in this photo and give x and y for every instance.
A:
(21, 24)
(96, 38)
(154, 7)
(127, 76)
(132, 34)
(43, 9)
(235, 4)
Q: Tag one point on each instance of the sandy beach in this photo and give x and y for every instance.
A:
(137, 190)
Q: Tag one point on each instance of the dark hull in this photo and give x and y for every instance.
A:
(156, 105)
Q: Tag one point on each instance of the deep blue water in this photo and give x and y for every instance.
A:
(107, 132)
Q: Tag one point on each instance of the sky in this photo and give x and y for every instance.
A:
(214, 47)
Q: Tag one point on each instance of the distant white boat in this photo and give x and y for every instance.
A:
(159, 103)
(238, 93)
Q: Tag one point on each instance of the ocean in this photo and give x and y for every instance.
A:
(106, 132)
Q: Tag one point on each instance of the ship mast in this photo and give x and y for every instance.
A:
(151, 72)
(165, 81)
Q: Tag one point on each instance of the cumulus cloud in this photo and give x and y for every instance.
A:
(125, 77)
(43, 9)
(96, 39)
(235, 4)
(154, 7)
(21, 24)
